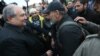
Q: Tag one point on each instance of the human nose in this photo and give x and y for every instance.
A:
(25, 16)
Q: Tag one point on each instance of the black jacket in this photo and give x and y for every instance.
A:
(15, 42)
(90, 16)
(69, 37)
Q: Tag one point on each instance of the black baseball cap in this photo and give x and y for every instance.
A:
(55, 5)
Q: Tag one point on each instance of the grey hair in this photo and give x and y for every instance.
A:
(9, 11)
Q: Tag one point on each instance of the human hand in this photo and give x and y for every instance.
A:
(49, 53)
(81, 20)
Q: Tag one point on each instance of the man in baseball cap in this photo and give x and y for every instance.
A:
(54, 6)
(68, 36)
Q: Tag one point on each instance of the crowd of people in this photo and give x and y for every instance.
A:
(54, 29)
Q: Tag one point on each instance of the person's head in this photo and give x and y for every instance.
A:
(33, 12)
(14, 15)
(70, 4)
(55, 10)
(97, 6)
(80, 5)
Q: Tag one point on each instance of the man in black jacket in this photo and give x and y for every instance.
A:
(14, 40)
(85, 11)
(69, 37)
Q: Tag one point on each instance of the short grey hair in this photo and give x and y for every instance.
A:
(9, 11)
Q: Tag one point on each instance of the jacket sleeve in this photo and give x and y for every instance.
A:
(70, 39)
(92, 27)
(12, 47)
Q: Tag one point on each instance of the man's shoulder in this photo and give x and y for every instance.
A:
(8, 33)
(70, 25)
(5, 30)
(91, 39)
(92, 36)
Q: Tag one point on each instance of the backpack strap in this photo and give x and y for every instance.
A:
(67, 23)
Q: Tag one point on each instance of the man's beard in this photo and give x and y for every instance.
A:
(53, 21)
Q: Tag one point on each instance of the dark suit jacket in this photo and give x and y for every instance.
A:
(15, 42)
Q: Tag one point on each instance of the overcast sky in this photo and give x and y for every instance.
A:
(22, 2)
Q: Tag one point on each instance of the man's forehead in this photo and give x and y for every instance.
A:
(78, 3)
(19, 10)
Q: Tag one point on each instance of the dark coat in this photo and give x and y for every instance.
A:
(90, 16)
(15, 42)
(69, 37)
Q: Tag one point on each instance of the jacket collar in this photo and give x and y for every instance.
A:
(13, 27)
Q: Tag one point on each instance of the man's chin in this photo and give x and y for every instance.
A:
(24, 24)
